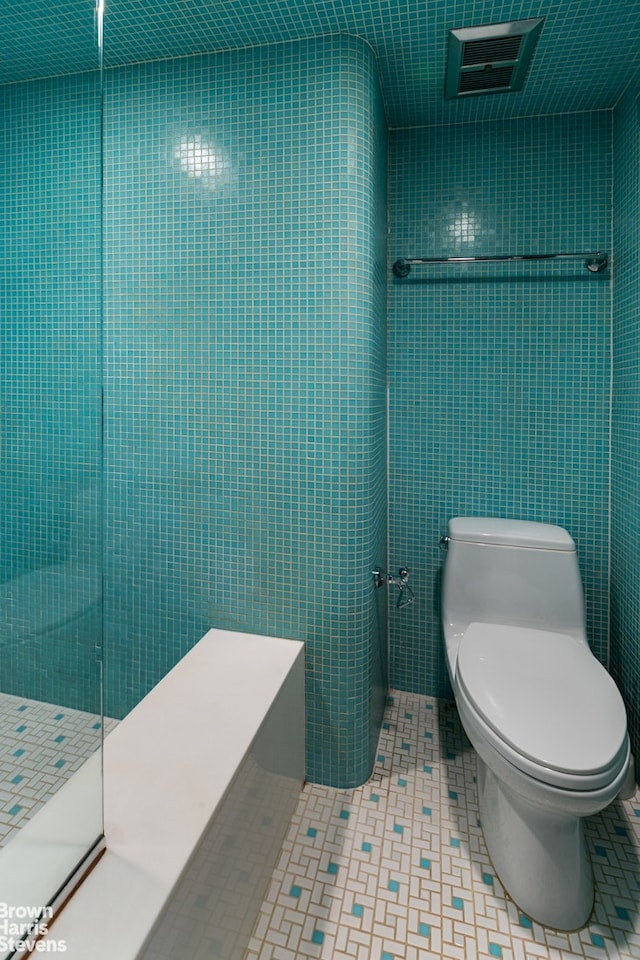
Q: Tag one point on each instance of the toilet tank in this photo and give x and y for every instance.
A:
(511, 572)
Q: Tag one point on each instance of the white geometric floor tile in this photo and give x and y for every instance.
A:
(398, 870)
(41, 746)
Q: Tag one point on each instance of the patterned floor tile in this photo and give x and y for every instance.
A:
(41, 746)
(398, 869)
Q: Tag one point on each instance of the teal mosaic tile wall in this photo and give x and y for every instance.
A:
(577, 65)
(499, 375)
(50, 579)
(376, 483)
(625, 467)
(245, 373)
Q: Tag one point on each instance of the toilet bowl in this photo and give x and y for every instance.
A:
(546, 720)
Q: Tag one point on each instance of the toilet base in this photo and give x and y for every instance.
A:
(539, 855)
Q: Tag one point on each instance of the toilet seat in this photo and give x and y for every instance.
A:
(554, 710)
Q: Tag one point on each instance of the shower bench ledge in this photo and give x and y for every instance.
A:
(231, 711)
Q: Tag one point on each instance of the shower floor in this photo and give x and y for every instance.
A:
(41, 746)
(398, 869)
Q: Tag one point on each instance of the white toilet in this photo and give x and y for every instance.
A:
(546, 720)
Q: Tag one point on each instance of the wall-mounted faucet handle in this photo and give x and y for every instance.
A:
(380, 578)
(406, 594)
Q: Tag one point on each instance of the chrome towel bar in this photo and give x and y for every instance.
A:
(594, 262)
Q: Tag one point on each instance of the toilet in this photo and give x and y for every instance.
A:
(545, 718)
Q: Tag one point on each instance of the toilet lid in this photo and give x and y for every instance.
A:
(544, 694)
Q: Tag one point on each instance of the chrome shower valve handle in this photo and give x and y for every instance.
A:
(406, 594)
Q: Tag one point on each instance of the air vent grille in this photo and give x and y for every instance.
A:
(490, 59)
(489, 51)
(475, 81)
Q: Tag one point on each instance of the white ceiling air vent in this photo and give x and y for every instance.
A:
(490, 59)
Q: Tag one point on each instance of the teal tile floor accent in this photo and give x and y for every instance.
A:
(429, 891)
(32, 773)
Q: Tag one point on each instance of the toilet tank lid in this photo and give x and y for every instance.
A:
(513, 533)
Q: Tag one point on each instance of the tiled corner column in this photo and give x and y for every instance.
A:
(245, 373)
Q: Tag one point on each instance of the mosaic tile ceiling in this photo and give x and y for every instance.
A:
(586, 55)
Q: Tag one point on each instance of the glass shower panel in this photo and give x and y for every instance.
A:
(50, 444)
